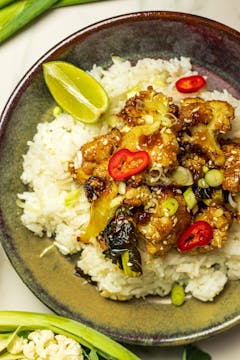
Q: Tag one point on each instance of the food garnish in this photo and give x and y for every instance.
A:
(190, 198)
(15, 325)
(190, 84)
(198, 234)
(75, 91)
(214, 177)
(170, 206)
(125, 163)
(177, 295)
(119, 242)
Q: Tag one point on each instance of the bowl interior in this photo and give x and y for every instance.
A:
(215, 50)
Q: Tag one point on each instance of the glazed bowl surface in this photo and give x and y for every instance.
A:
(214, 50)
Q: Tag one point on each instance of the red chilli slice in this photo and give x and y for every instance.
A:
(196, 235)
(190, 84)
(125, 163)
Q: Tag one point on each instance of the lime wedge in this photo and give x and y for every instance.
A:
(78, 93)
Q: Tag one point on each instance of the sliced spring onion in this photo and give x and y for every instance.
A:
(232, 202)
(177, 295)
(57, 110)
(202, 183)
(205, 169)
(214, 177)
(170, 206)
(166, 121)
(72, 198)
(127, 265)
(14, 321)
(190, 198)
(182, 176)
(132, 92)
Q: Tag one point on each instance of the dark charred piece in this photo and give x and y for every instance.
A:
(141, 216)
(94, 187)
(203, 193)
(119, 236)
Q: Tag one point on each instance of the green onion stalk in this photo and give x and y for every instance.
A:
(62, 3)
(12, 323)
(16, 14)
(5, 2)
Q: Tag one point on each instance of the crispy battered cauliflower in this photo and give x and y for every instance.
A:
(95, 156)
(161, 231)
(195, 164)
(145, 107)
(192, 112)
(220, 219)
(231, 169)
(204, 135)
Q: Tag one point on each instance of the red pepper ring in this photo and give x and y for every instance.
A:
(190, 84)
(198, 234)
(125, 163)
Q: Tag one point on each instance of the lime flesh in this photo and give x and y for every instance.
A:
(78, 93)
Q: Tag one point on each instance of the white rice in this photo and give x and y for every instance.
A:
(45, 171)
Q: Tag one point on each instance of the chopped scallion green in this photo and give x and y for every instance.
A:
(182, 176)
(190, 198)
(127, 268)
(202, 184)
(214, 177)
(57, 110)
(170, 206)
(177, 295)
(72, 198)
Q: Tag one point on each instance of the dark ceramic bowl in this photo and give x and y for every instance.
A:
(215, 50)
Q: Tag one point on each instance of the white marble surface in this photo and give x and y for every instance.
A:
(19, 53)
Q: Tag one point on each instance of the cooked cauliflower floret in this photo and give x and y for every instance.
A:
(161, 231)
(231, 168)
(204, 136)
(192, 112)
(145, 107)
(220, 219)
(95, 156)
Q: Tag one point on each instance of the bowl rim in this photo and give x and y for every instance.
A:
(58, 49)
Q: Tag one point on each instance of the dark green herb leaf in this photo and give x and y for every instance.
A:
(194, 353)
(93, 355)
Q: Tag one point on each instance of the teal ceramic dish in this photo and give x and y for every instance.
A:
(215, 50)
